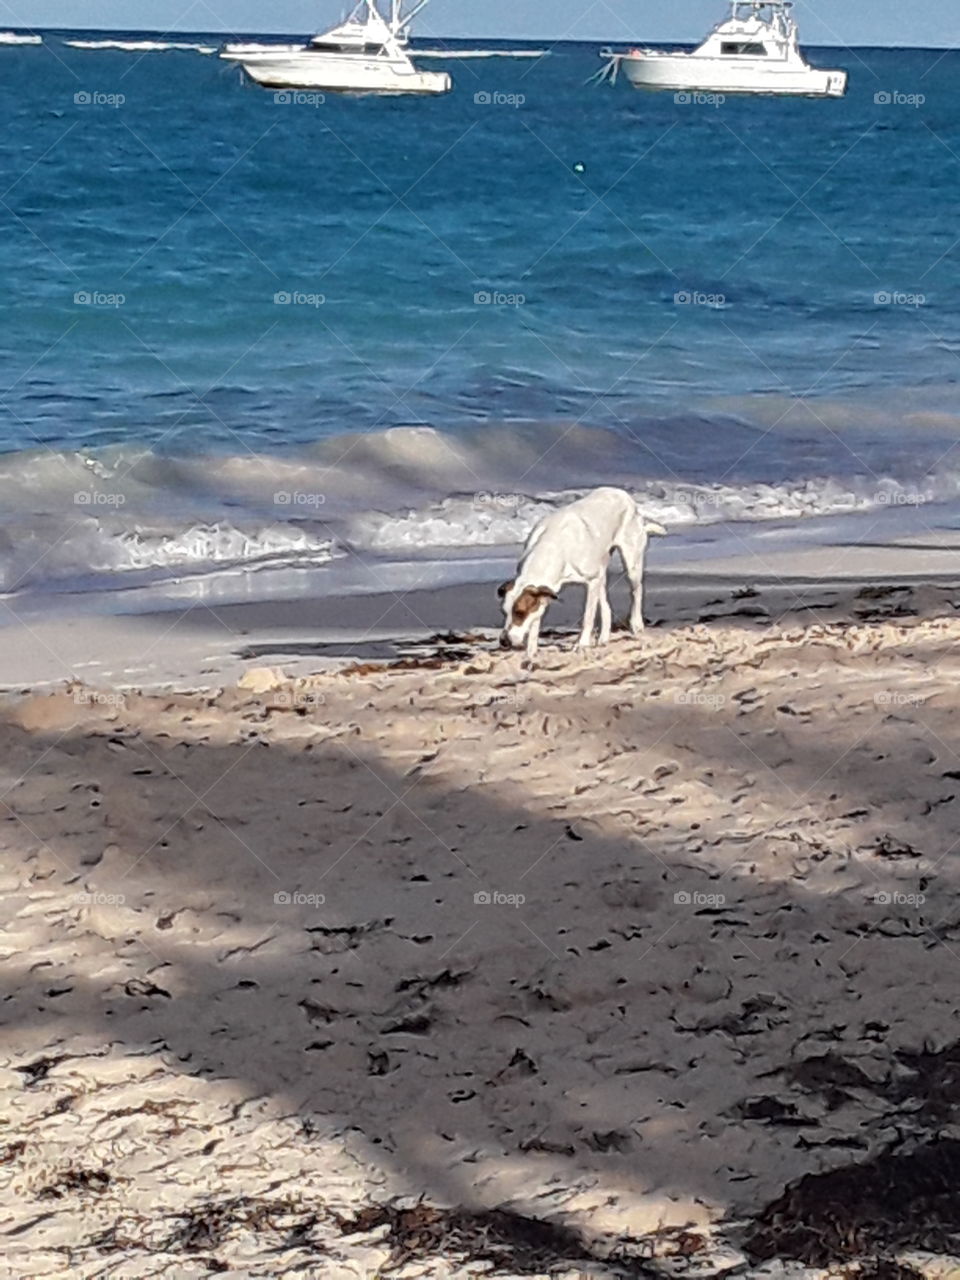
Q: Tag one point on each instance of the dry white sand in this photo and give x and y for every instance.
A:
(563, 940)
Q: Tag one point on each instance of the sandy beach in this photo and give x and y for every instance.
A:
(445, 966)
(338, 941)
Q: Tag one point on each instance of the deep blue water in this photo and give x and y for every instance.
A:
(197, 199)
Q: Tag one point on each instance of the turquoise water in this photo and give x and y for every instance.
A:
(741, 310)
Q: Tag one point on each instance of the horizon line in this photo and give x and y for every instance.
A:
(551, 40)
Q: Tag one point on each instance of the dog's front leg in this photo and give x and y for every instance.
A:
(533, 637)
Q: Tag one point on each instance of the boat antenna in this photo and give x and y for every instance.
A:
(412, 13)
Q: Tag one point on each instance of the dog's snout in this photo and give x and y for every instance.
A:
(505, 641)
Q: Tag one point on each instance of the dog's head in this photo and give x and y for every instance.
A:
(521, 607)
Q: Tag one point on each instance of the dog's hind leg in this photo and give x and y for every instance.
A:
(606, 616)
(594, 594)
(632, 546)
(635, 574)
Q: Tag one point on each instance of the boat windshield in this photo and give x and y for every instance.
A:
(743, 49)
(331, 46)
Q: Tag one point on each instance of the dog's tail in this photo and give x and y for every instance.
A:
(651, 526)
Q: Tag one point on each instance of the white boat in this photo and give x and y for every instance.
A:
(367, 53)
(754, 50)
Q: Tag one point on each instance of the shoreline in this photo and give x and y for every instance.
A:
(199, 645)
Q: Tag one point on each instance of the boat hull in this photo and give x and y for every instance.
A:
(339, 75)
(719, 75)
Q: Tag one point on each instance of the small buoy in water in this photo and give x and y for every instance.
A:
(579, 167)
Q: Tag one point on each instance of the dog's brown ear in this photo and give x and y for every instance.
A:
(545, 591)
(504, 587)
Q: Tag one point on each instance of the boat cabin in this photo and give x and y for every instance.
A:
(754, 29)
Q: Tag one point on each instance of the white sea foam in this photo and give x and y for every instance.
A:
(489, 519)
(12, 37)
(93, 546)
(217, 544)
(141, 46)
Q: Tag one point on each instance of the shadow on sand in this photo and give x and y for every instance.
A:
(557, 1036)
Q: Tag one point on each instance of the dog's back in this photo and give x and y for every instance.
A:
(602, 512)
(573, 542)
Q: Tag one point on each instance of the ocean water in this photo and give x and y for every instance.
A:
(243, 332)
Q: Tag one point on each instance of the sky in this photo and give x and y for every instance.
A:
(935, 23)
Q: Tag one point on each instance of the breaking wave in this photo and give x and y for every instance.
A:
(91, 549)
(504, 518)
(81, 521)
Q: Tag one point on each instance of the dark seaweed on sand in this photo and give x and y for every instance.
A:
(882, 1206)
(512, 1242)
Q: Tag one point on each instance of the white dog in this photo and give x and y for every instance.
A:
(575, 544)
